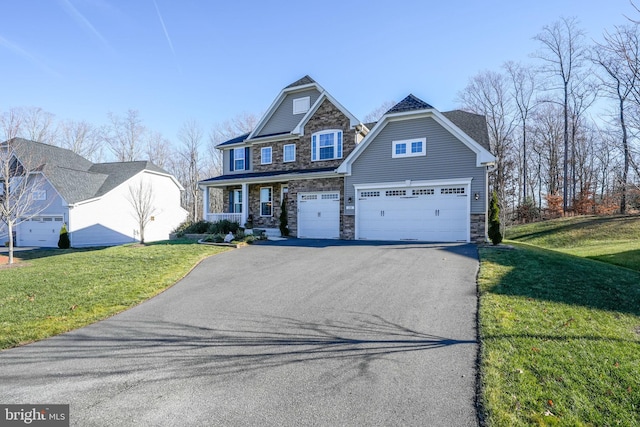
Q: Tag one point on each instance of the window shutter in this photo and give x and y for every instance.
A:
(231, 160)
(313, 147)
(231, 204)
(247, 150)
(339, 145)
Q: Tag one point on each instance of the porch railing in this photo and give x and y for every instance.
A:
(233, 217)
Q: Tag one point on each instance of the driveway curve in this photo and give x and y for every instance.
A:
(288, 334)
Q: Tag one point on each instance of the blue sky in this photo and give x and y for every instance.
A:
(211, 60)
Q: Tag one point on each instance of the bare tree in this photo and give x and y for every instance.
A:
(20, 182)
(523, 81)
(158, 149)
(190, 135)
(375, 114)
(563, 54)
(37, 125)
(142, 201)
(81, 137)
(619, 57)
(124, 136)
(488, 94)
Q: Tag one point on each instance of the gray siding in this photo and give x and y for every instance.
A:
(225, 163)
(447, 158)
(283, 119)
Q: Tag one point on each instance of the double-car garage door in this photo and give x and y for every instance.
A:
(430, 213)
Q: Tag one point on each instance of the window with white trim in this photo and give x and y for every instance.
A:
(236, 198)
(265, 155)
(266, 201)
(326, 145)
(301, 105)
(289, 154)
(409, 148)
(238, 158)
(452, 190)
(39, 194)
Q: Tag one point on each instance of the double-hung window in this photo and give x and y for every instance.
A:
(326, 145)
(265, 155)
(236, 201)
(409, 148)
(266, 201)
(238, 157)
(289, 154)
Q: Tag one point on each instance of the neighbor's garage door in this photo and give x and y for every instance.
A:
(434, 214)
(43, 231)
(319, 215)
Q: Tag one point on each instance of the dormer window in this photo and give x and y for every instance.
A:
(301, 105)
(326, 145)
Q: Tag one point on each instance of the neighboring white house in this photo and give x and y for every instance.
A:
(93, 199)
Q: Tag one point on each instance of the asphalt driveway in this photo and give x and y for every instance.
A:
(282, 334)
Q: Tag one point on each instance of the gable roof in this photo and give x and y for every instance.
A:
(410, 103)
(305, 83)
(75, 178)
(466, 127)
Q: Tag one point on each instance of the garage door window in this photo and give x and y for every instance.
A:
(456, 190)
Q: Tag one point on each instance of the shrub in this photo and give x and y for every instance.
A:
(63, 241)
(214, 238)
(528, 211)
(494, 220)
(222, 227)
(284, 222)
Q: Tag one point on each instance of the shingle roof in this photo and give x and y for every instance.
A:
(303, 81)
(474, 125)
(73, 176)
(234, 140)
(410, 103)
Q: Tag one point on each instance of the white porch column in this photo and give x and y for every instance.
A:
(245, 204)
(205, 202)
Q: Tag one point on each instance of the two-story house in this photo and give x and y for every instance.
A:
(417, 174)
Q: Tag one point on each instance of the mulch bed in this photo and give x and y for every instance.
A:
(17, 262)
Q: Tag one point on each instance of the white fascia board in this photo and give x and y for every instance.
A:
(410, 183)
(166, 175)
(269, 179)
(483, 157)
(276, 102)
(353, 121)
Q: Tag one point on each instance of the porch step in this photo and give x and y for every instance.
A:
(272, 233)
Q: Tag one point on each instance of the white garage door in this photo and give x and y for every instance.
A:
(319, 215)
(433, 214)
(43, 231)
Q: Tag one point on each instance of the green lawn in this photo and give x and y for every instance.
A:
(615, 240)
(560, 334)
(60, 290)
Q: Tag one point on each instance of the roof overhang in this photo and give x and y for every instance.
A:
(268, 179)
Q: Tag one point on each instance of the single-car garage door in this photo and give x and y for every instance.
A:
(319, 215)
(42, 231)
(433, 214)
